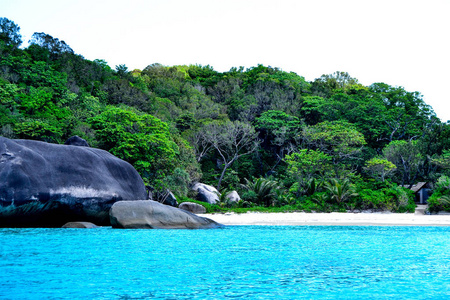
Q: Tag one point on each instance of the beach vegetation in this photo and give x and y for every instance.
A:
(261, 191)
(340, 190)
(440, 200)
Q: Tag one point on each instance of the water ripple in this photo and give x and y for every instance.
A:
(237, 262)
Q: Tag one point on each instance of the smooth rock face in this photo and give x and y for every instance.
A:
(79, 225)
(154, 215)
(192, 207)
(233, 196)
(206, 193)
(48, 185)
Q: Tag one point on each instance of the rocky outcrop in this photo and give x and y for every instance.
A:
(233, 196)
(48, 185)
(88, 225)
(192, 207)
(154, 215)
(206, 193)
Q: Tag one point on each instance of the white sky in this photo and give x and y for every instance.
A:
(399, 42)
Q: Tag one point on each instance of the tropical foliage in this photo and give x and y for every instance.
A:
(331, 144)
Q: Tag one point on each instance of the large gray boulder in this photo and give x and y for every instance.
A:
(149, 214)
(48, 185)
(206, 193)
(192, 207)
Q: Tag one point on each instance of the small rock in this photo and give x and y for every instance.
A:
(192, 207)
(76, 141)
(79, 225)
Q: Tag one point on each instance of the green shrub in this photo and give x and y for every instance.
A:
(439, 201)
(393, 198)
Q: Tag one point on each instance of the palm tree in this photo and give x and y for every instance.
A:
(340, 190)
(445, 200)
(224, 201)
(264, 190)
(311, 186)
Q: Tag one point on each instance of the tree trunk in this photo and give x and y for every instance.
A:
(227, 165)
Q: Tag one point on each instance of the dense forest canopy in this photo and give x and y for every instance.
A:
(329, 144)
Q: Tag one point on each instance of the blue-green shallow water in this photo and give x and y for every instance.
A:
(241, 262)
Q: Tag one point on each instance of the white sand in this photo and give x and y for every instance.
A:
(353, 219)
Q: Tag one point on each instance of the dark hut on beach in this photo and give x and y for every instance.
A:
(421, 191)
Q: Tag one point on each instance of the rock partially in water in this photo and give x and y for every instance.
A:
(192, 207)
(79, 225)
(48, 185)
(150, 214)
(206, 193)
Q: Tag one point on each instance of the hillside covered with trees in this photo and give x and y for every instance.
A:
(331, 144)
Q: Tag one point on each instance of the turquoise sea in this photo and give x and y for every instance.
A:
(236, 262)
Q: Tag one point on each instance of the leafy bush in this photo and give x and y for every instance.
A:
(440, 200)
(320, 202)
(392, 198)
(442, 184)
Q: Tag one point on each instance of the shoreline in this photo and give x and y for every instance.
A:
(329, 219)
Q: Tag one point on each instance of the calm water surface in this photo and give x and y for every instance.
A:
(240, 262)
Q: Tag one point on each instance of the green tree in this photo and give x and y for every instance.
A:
(379, 168)
(141, 139)
(306, 165)
(272, 122)
(359, 107)
(8, 102)
(406, 156)
(231, 140)
(443, 160)
(407, 114)
(54, 46)
(42, 119)
(122, 70)
(205, 75)
(9, 34)
(278, 131)
(339, 139)
(326, 85)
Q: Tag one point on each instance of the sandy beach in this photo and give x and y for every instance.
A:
(340, 219)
